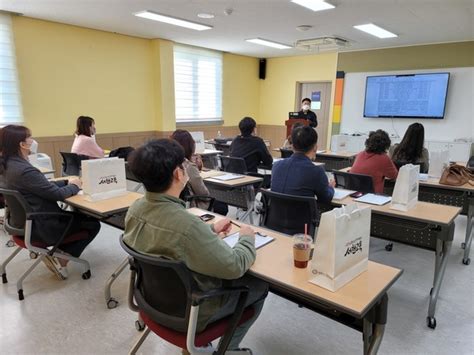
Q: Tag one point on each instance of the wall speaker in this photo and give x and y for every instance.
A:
(262, 69)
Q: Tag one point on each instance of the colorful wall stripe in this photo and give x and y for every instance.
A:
(336, 112)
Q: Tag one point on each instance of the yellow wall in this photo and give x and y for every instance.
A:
(66, 71)
(240, 93)
(278, 90)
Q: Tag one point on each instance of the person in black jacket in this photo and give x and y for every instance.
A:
(307, 114)
(250, 147)
(42, 196)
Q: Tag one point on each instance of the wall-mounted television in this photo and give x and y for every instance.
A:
(406, 96)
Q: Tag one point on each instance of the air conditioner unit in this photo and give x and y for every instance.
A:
(322, 44)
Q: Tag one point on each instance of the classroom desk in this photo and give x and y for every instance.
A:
(239, 193)
(361, 304)
(427, 226)
(111, 211)
(45, 171)
(335, 161)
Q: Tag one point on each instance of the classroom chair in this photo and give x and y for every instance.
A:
(165, 294)
(237, 165)
(19, 223)
(286, 153)
(356, 182)
(72, 163)
(288, 213)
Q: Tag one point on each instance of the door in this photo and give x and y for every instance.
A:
(320, 95)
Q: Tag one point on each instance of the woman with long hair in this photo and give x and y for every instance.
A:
(411, 149)
(43, 195)
(85, 143)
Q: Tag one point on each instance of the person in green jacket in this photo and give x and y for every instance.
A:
(159, 225)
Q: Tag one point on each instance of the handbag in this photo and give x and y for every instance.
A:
(456, 175)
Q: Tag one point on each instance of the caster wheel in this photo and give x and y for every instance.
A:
(21, 297)
(10, 243)
(466, 261)
(33, 255)
(139, 325)
(431, 322)
(389, 247)
(112, 303)
(463, 245)
(86, 275)
(4, 279)
(431, 291)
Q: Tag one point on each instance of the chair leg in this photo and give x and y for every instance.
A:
(19, 283)
(5, 263)
(139, 342)
(86, 266)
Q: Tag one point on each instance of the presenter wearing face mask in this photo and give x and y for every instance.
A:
(307, 114)
(85, 143)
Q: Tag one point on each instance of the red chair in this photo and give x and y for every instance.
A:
(168, 299)
(19, 222)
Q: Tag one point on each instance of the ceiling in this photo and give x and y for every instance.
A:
(415, 21)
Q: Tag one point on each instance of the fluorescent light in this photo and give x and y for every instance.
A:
(375, 30)
(315, 5)
(172, 20)
(264, 42)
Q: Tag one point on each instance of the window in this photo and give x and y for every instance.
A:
(197, 84)
(10, 103)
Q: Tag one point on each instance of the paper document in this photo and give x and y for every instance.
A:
(227, 177)
(260, 240)
(211, 173)
(423, 177)
(340, 194)
(374, 199)
(320, 151)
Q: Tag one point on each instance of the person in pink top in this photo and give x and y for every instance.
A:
(374, 160)
(85, 143)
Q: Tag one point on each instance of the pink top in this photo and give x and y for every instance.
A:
(379, 166)
(87, 146)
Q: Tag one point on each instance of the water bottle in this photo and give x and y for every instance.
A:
(219, 135)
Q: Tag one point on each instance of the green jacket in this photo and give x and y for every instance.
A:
(159, 225)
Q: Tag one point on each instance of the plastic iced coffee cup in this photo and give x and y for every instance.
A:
(301, 249)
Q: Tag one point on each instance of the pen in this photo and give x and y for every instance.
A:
(235, 224)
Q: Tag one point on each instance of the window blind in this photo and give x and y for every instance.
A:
(10, 102)
(197, 84)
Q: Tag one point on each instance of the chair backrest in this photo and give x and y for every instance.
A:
(163, 288)
(356, 182)
(233, 164)
(286, 153)
(129, 175)
(122, 152)
(224, 148)
(16, 208)
(72, 163)
(288, 213)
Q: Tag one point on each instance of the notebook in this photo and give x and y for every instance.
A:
(227, 177)
(374, 199)
(260, 239)
(340, 194)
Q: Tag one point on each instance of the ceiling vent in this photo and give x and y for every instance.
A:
(323, 44)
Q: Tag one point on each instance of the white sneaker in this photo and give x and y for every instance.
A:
(52, 263)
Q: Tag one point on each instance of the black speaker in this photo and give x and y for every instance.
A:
(262, 68)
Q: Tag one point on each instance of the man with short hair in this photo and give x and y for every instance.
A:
(250, 147)
(297, 175)
(159, 225)
(307, 114)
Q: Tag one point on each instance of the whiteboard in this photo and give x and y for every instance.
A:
(458, 122)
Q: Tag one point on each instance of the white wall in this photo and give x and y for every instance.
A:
(458, 122)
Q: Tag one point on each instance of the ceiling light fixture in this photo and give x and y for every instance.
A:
(264, 42)
(150, 15)
(375, 30)
(315, 5)
(206, 15)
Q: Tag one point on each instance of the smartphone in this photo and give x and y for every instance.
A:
(357, 194)
(207, 217)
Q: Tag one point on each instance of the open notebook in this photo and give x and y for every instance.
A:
(228, 177)
(340, 194)
(374, 199)
(260, 239)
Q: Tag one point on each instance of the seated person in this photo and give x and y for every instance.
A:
(297, 175)
(250, 147)
(411, 149)
(374, 160)
(288, 144)
(42, 196)
(193, 164)
(158, 224)
(84, 143)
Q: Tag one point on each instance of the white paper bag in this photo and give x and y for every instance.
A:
(405, 193)
(438, 161)
(341, 249)
(103, 178)
(339, 143)
(199, 140)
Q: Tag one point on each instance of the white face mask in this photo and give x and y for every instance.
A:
(305, 107)
(34, 147)
(186, 178)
